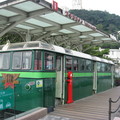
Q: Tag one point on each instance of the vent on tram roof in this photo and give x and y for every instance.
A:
(32, 45)
(47, 46)
(68, 51)
(16, 46)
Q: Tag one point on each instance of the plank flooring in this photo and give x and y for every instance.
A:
(94, 107)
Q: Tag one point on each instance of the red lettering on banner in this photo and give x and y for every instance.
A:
(73, 17)
(55, 6)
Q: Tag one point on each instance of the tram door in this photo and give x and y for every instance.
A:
(59, 79)
(95, 78)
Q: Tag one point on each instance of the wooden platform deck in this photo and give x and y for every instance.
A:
(94, 107)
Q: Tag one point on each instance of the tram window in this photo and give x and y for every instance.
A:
(68, 63)
(17, 58)
(4, 60)
(103, 67)
(88, 65)
(108, 67)
(82, 64)
(37, 61)
(75, 64)
(58, 63)
(49, 61)
(98, 66)
(26, 62)
(22, 60)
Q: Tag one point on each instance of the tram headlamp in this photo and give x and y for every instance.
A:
(27, 86)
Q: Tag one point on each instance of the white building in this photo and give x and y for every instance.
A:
(113, 54)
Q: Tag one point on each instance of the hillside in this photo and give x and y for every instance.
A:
(104, 21)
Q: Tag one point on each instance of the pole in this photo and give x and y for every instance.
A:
(110, 108)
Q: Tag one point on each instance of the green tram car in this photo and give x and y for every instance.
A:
(34, 74)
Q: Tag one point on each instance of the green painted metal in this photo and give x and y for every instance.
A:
(26, 99)
(29, 93)
(6, 99)
(82, 87)
(83, 84)
(49, 92)
(81, 74)
(104, 74)
(43, 96)
(104, 81)
(32, 74)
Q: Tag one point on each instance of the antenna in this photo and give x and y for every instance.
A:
(77, 4)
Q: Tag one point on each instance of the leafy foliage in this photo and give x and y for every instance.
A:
(95, 51)
(105, 22)
(12, 37)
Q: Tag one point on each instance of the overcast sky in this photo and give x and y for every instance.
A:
(111, 6)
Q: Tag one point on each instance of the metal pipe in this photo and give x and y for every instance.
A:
(109, 108)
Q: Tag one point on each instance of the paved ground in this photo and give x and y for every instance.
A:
(94, 107)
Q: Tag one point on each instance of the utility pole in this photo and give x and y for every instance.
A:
(77, 4)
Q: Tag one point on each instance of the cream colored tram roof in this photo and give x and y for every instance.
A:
(37, 18)
(50, 47)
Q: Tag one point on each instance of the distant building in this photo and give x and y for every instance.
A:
(113, 54)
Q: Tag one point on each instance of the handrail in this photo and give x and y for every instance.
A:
(110, 106)
(116, 100)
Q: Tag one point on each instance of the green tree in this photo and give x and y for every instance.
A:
(95, 51)
(104, 21)
(13, 37)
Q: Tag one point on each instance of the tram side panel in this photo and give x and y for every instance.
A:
(28, 94)
(49, 93)
(6, 97)
(23, 96)
(82, 77)
(82, 87)
(104, 77)
(27, 85)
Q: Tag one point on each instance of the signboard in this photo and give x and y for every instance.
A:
(39, 83)
(55, 6)
(6, 99)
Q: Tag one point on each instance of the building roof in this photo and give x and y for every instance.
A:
(42, 21)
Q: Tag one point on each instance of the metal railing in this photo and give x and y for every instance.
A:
(8, 114)
(110, 107)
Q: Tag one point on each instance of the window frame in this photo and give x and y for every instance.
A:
(60, 68)
(53, 63)
(29, 62)
(109, 67)
(8, 61)
(99, 70)
(66, 63)
(91, 65)
(78, 64)
(21, 67)
(81, 62)
(40, 59)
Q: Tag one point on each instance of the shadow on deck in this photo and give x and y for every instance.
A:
(94, 107)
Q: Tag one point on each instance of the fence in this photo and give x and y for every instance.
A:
(110, 107)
